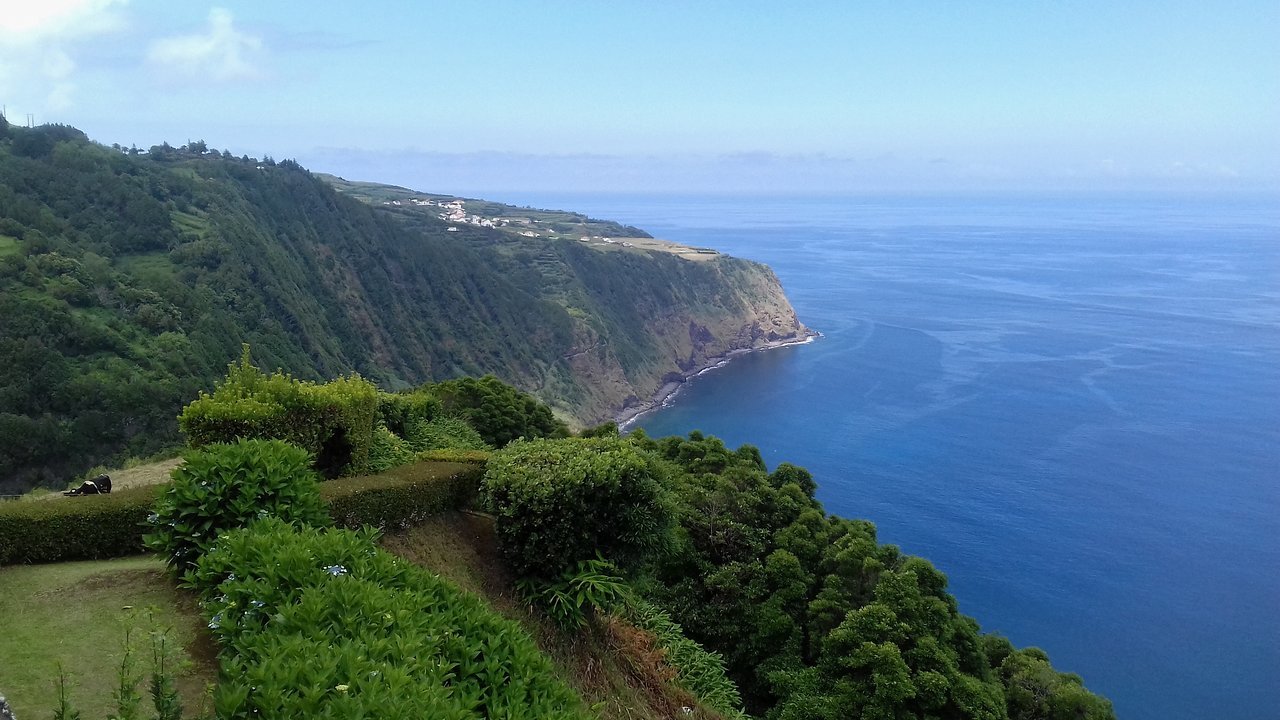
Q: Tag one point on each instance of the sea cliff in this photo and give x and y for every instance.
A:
(743, 310)
(129, 280)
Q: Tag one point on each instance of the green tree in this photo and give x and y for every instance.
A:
(499, 412)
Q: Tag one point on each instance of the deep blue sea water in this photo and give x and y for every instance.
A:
(1071, 405)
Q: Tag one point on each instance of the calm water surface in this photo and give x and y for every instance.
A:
(1070, 405)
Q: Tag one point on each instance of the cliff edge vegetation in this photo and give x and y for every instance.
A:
(129, 278)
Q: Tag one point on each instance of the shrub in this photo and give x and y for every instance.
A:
(559, 502)
(445, 433)
(321, 623)
(224, 487)
(499, 412)
(577, 595)
(82, 528)
(333, 421)
(403, 496)
(102, 526)
(401, 411)
(387, 451)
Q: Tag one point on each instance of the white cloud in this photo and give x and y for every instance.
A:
(37, 40)
(33, 22)
(221, 52)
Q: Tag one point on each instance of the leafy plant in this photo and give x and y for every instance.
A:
(64, 709)
(387, 451)
(224, 487)
(591, 587)
(164, 694)
(444, 432)
(128, 699)
(558, 502)
(697, 669)
(321, 623)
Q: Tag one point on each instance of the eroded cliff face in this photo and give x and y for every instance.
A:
(678, 319)
(640, 315)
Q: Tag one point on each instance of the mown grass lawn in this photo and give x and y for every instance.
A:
(77, 614)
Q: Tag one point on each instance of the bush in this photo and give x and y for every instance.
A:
(82, 528)
(559, 502)
(401, 411)
(334, 421)
(445, 433)
(403, 496)
(224, 487)
(387, 451)
(322, 623)
(499, 412)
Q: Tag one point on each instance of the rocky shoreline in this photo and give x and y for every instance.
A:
(667, 393)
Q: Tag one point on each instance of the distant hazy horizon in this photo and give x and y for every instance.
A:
(691, 97)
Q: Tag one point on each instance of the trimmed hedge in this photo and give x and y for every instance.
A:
(83, 528)
(477, 457)
(334, 421)
(104, 526)
(402, 496)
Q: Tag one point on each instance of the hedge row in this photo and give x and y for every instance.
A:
(83, 528)
(104, 526)
(333, 421)
(402, 496)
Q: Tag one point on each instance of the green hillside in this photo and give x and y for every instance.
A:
(129, 279)
(497, 566)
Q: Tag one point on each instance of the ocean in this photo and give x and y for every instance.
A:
(1069, 404)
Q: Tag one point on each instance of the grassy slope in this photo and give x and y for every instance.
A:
(76, 614)
(130, 476)
(461, 548)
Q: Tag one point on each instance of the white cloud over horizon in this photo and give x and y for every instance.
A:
(222, 52)
(37, 41)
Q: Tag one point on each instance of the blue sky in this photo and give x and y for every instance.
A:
(687, 96)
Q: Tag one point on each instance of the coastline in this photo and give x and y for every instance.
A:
(668, 392)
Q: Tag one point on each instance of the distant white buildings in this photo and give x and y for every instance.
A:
(455, 211)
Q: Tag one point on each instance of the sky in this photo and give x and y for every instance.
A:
(692, 96)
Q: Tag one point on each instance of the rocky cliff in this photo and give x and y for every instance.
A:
(646, 313)
(740, 307)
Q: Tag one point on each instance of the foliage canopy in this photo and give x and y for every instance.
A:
(561, 502)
